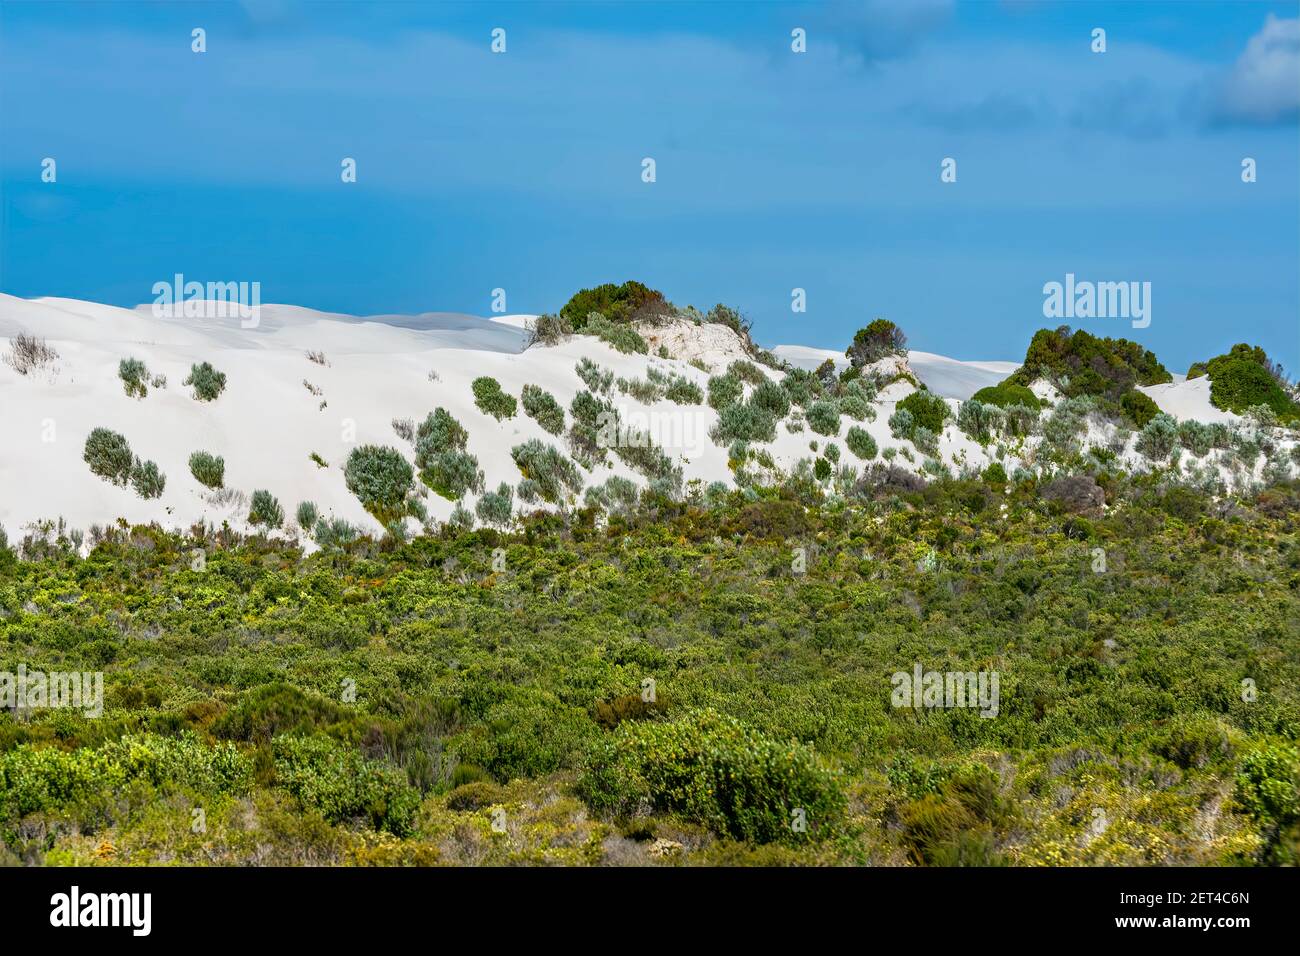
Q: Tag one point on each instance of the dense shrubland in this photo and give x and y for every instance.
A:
(388, 701)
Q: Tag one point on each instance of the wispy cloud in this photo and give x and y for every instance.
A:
(1263, 87)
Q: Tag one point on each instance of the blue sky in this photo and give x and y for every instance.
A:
(775, 170)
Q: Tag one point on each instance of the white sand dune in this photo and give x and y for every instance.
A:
(279, 407)
(1186, 399)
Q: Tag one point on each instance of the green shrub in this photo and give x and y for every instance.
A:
(307, 515)
(440, 455)
(134, 376)
(495, 507)
(452, 474)
(382, 479)
(1196, 437)
(802, 386)
(598, 379)
(617, 303)
(461, 518)
(1267, 784)
(747, 372)
(725, 390)
(1006, 394)
(207, 381)
(1082, 364)
(878, 340)
(549, 329)
(861, 443)
(541, 406)
(1196, 370)
(109, 456)
(589, 436)
(265, 510)
(1245, 377)
(683, 391)
(438, 432)
(715, 771)
(208, 470)
(147, 480)
(1158, 438)
(556, 476)
(927, 410)
(476, 795)
(995, 474)
(491, 400)
(744, 421)
(824, 417)
(773, 397)
(620, 337)
(342, 785)
(978, 421)
(1139, 407)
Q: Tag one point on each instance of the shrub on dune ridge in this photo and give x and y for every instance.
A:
(109, 455)
(207, 382)
(382, 480)
(208, 470)
(491, 400)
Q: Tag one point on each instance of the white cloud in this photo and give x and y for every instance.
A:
(1264, 85)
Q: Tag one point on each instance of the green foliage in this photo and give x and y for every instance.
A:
(747, 372)
(716, 771)
(995, 473)
(802, 386)
(1196, 370)
(495, 507)
(208, 470)
(134, 376)
(979, 421)
(541, 406)
(772, 397)
(683, 391)
(725, 390)
(878, 340)
(1139, 407)
(1006, 394)
(824, 417)
(307, 515)
(744, 421)
(208, 383)
(927, 410)
(616, 303)
(556, 476)
(109, 456)
(1245, 377)
(1080, 364)
(550, 329)
(598, 379)
(1158, 437)
(342, 785)
(861, 443)
(147, 480)
(440, 455)
(382, 479)
(265, 510)
(491, 400)
(620, 337)
(36, 779)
